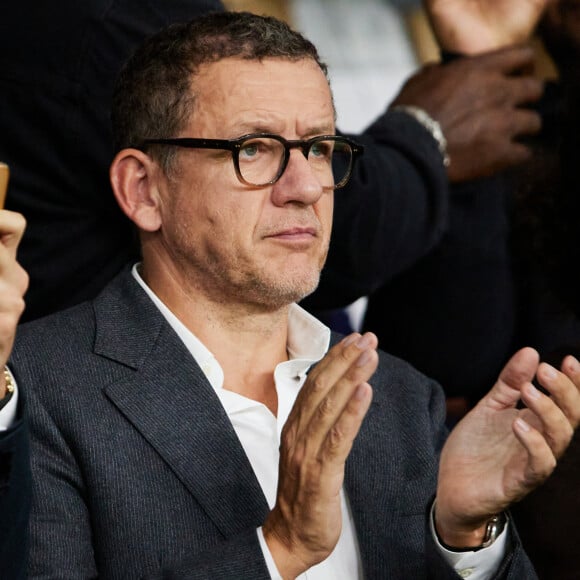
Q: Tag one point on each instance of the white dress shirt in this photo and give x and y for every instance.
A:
(259, 433)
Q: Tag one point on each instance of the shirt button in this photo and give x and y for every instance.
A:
(466, 572)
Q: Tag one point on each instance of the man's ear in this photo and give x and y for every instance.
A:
(134, 180)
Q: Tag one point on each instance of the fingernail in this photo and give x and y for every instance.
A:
(350, 339)
(522, 424)
(533, 392)
(573, 364)
(360, 392)
(364, 358)
(364, 341)
(550, 372)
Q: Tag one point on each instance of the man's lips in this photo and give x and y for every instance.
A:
(295, 233)
(298, 238)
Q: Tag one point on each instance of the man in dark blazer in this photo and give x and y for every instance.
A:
(179, 427)
(15, 481)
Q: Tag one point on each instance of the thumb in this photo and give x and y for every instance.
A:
(12, 226)
(518, 372)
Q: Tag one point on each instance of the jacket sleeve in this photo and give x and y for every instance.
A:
(239, 557)
(15, 482)
(62, 522)
(515, 566)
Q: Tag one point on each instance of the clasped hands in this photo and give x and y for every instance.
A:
(494, 457)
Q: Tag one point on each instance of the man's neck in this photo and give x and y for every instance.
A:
(247, 341)
(248, 349)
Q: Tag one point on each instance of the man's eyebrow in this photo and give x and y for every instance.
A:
(257, 124)
(321, 130)
(260, 127)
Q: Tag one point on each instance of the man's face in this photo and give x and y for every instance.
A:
(233, 242)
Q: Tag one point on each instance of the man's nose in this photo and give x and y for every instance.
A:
(298, 183)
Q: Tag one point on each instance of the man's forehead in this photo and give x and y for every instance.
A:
(271, 90)
(235, 62)
(241, 73)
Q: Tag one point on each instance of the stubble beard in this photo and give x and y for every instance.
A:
(239, 284)
(263, 291)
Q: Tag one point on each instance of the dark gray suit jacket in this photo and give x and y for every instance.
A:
(15, 484)
(139, 473)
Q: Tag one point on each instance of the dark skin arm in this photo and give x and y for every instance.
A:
(480, 104)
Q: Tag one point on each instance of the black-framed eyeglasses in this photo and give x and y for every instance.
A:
(260, 159)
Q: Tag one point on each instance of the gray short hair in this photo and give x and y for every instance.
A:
(153, 97)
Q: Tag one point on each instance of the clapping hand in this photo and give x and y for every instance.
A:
(305, 524)
(499, 452)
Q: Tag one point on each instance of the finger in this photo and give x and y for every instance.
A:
(331, 368)
(340, 438)
(563, 387)
(13, 278)
(518, 372)
(571, 367)
(541, 460)
(341, 399)
(511, 60)
(512, 153)
(555, 426)
(13, 285)
(507, 134)
(13, 282)
(12, 226)
(524, 122)
(523, 90)
(505, 94)
(9, 317)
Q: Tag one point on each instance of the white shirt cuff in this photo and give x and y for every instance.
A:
(272, 569)
(8, 412)
(479, 565)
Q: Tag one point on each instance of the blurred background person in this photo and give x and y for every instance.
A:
(525, 242)
(548, 250)
(458, 309)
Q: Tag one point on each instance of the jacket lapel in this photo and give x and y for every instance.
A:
(374, 486)
(170, 402)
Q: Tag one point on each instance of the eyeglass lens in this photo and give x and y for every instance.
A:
(261, 159)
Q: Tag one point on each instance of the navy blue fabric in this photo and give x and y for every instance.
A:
(15, 491)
